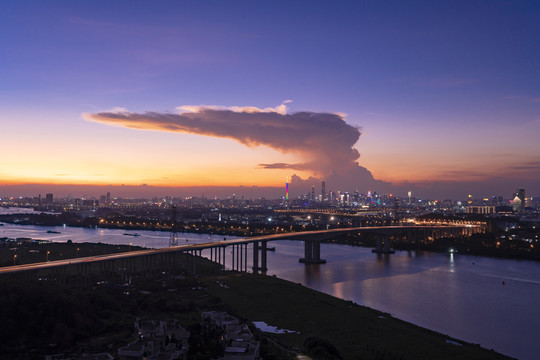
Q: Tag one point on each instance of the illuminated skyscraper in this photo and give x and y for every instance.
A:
(312, 192)
(323, 191)
(519, 200)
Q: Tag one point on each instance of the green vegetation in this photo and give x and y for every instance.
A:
(328, 327)
(321, 349)
(25, 251)
(511, 244)
(46, 317)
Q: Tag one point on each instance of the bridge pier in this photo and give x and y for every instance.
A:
(224, 257)
(383, 245)
(238, 255)
(255, 266)
(312, 253)
(258, 245)
(246, 257)
(216, 256)
(263, 267)
(232, 257)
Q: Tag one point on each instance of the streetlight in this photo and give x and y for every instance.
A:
(78, 252)
(14, 258)
(48, 252)
(129, 248)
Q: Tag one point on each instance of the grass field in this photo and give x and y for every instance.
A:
(356, 331)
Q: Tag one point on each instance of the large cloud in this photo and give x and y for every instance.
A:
(325, 141)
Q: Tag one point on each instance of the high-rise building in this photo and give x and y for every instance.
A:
(313, 193)
(323, 191)
(519, 200)
(49, 198)
(108, 197)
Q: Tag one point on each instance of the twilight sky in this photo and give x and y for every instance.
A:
(438, 97)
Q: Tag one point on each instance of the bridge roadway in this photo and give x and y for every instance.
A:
(239, 262)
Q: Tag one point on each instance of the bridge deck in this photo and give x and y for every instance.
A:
(304, 235)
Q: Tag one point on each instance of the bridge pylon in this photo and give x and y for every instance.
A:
(312, 252)
(383, 245)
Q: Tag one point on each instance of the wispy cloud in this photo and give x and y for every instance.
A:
(445, 82)
(462, 174)
(523, 99)
(527, 166)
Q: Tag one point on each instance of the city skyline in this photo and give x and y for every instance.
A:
(441, 99)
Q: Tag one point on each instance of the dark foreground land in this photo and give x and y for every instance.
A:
(357, 332)
(45, 316)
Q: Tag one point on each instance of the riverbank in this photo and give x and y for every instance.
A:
(29, 251)
(357, 332)
(353, 330)
(494, 244)
(487, 244)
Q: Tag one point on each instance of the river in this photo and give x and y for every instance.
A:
(454, 294)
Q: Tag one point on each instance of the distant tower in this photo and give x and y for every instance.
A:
(287, 188)
(312, 192)
(396, 208)
(173, 239)
(409, 193)
(519, 200)
(323, 191)
(108, 197)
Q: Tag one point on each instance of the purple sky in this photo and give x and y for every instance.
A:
(445, 95)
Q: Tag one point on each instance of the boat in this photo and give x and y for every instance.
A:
(271, 248)
(136, 234)
(53, 232)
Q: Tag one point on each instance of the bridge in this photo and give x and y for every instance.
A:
(156, 260)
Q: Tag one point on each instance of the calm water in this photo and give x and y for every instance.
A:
(458, 295)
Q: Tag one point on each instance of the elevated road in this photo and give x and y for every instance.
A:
(311, 239)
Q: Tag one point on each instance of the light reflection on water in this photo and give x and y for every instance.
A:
(455, 294)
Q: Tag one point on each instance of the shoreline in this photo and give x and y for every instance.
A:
(356, 329)
(439, 248)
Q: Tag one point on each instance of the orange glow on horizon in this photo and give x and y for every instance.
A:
(236, 181)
